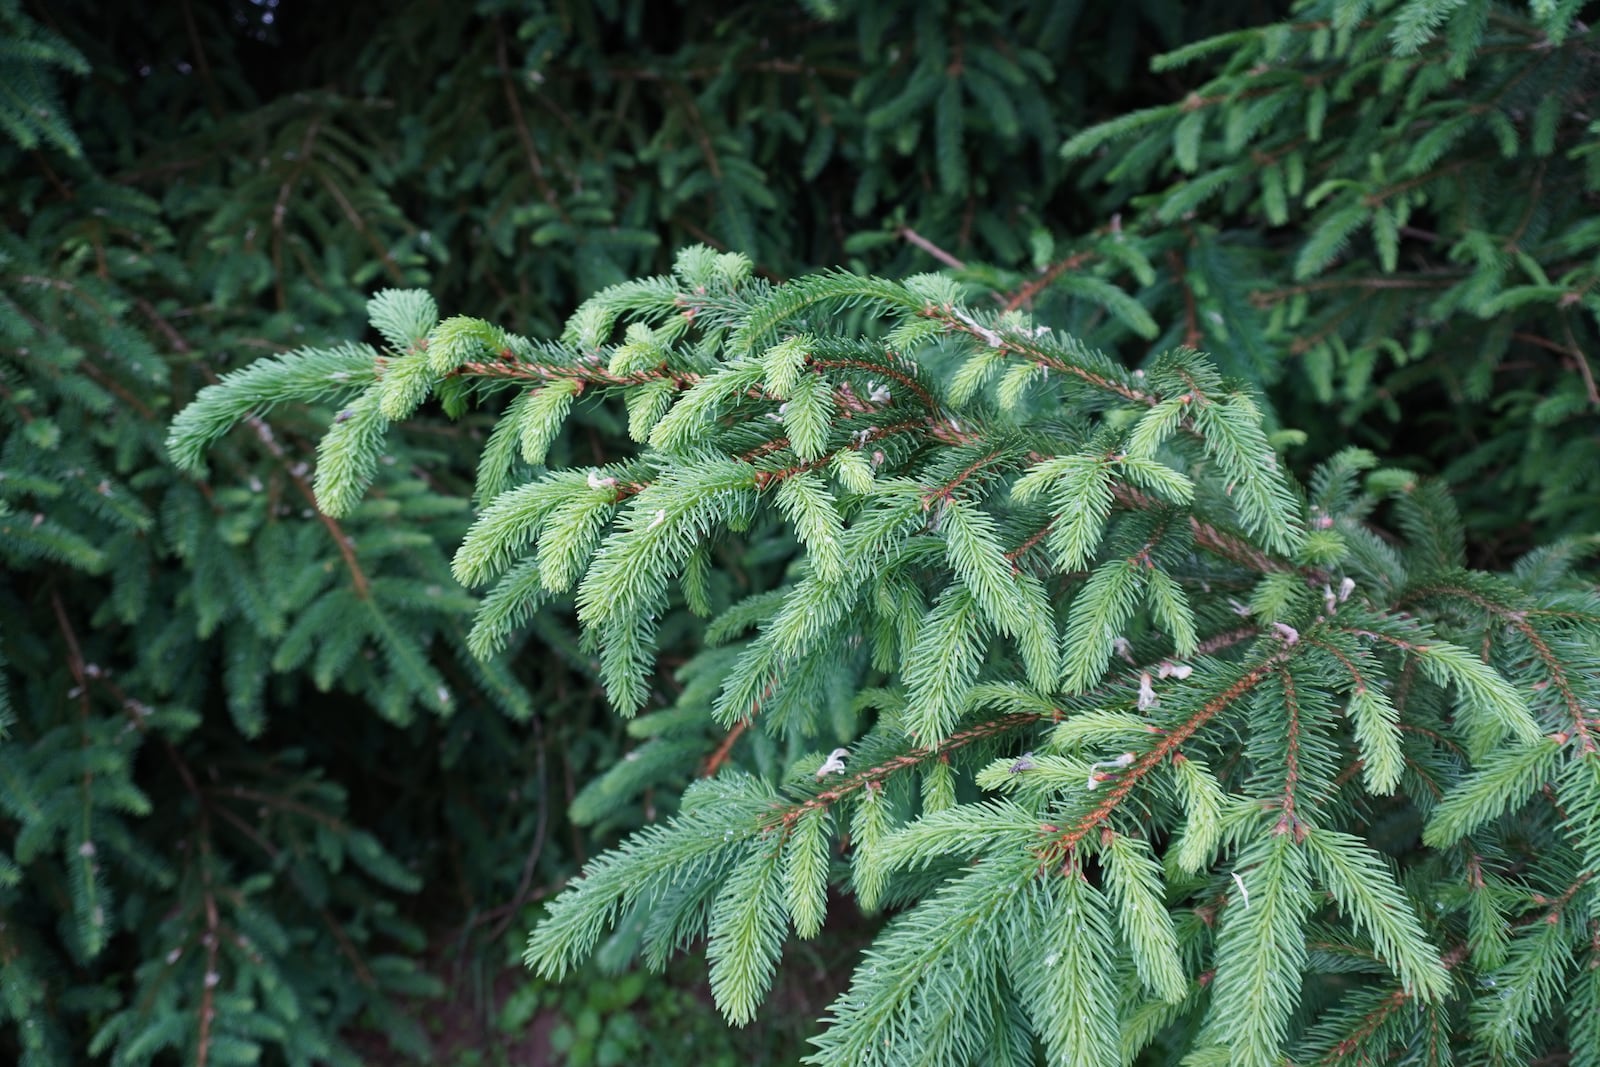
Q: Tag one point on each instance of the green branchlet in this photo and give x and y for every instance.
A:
(1119, 713)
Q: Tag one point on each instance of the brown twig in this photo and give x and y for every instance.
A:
(63, 190)
(341, 540)
(1016, 344)
(892, 373)
(1192, 336)
(396, 275)
(945, 491)
(83, 672)
(787, 817)
(535, 164)
(1170, 744)
(530, 862)
(280, 207)
(1039, 284)
(1205, 535)
(911, 236)
(1582, 361)
(1289, 822)
(1370, 1024)
(585, 372)
(715, 761)
(1582, 727)
(358, 577)
(211, 940)
(1227, 639)
(1026, 546)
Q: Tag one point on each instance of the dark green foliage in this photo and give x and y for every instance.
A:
(188, 187)
(186, 877)
(879, 567)
(31, 112)
(1385, 209)
(1217, 772)
(165, 884)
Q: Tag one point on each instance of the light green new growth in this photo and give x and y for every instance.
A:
(1115, 719)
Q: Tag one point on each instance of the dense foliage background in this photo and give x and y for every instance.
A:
(257, 795)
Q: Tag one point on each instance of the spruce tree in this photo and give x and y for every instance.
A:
(1145, 747)
(188, 187)
(220, 707)
(1381, 211)
(185, 872)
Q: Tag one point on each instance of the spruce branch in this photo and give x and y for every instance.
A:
(876, 775)
(343, 543)
(1099, 376)
(1289, 822)
(1208, 535)
(1108, 706)
(1169, 745)
(1585, 724)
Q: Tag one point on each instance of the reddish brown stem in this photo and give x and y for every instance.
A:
(913, 237)
(1170, 744)
(944, 491)
(1582, 728)
(1290, 822)
(1192, 337)
(787, 817)
(1032, 289)
(715, 761)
